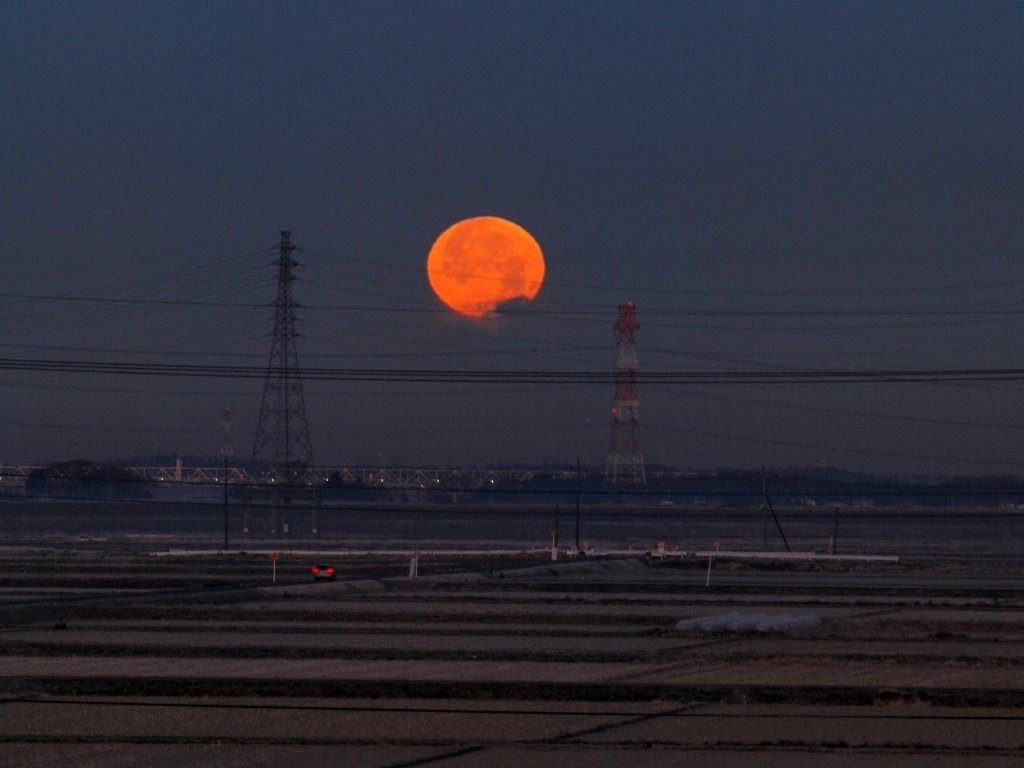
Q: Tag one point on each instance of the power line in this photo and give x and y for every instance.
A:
(376, 264)
(1014, 309)
(497, 376)
(71, 298)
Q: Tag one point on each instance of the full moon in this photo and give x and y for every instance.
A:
(477, 264)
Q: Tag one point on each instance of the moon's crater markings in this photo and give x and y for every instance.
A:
(480, 263)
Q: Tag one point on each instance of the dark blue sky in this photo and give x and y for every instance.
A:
(812, 158)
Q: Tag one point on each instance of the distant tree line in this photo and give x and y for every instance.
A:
(86, 480)
(560, 485)
(724, 488)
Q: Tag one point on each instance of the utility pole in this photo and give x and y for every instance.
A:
(225, 502)
(226, 449)
(578, 483)
(764, 511)
(769, 508)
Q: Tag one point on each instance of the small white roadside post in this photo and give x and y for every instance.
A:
(707, 581)
(414, 565)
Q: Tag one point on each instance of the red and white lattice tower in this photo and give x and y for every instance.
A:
(625, 465)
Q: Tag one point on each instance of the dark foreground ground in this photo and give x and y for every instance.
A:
(134, 648)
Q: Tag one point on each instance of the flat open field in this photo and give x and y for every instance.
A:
(138, 648)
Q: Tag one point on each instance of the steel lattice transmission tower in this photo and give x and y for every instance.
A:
(625, 465)
(282, 434)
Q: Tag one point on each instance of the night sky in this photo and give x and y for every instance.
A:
(780, 187)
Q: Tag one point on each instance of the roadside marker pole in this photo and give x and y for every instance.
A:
(414, 565)
(707, 581)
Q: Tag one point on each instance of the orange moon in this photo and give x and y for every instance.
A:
(477, 264)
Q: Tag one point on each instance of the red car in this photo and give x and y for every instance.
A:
(323, 573)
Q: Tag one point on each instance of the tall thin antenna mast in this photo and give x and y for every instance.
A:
(227, 448)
